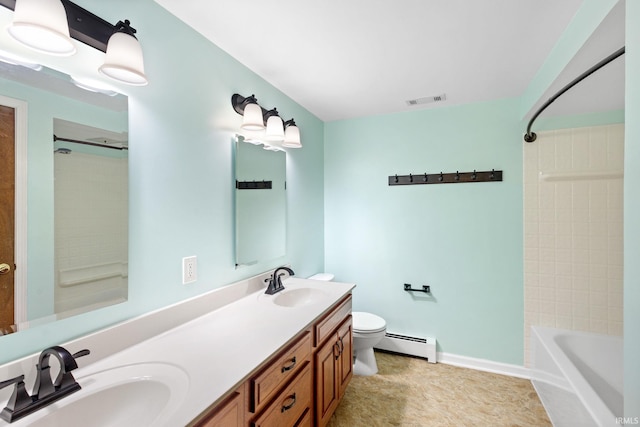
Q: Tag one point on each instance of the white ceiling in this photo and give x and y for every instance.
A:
(345, 59)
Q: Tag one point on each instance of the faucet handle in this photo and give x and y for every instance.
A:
(81, 353)
(19, 399)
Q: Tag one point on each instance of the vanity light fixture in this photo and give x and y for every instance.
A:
(49, 25)
(275, 128)
(42, 25)
(291, 135)
(123, 60)
(277, 134)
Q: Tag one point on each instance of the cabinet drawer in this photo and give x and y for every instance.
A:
(279, 371)
(327, 326)
(305, 421)
(289, 406)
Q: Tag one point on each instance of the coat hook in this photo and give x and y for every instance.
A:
(440, 178)
(426, 178)
(474, 176)
(396, 177)
(457, 175)
(493, 174)
(410, 178)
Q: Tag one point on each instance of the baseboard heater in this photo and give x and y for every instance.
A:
(412, 346)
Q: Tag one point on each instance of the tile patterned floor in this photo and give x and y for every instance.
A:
(410, 392)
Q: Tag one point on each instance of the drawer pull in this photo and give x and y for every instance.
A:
(289, 406)
(290, 367)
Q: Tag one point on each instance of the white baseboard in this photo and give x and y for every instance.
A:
(484, 365)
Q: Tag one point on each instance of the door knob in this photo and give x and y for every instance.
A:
(4, 268)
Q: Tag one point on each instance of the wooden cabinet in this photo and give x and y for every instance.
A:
(334, 369)
(264, 385)
(229, 413)
(300, 386)
(291, 404)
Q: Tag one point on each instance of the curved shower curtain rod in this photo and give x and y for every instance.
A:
(531, 136)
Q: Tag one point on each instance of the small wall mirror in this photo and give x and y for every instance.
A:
(71, 198)
(261, 203)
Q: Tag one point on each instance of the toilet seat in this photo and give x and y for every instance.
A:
(367, 323)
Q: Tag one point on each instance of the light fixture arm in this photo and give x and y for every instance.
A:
(84, 26)
(269, 113)
(125, 27)
(239, 102)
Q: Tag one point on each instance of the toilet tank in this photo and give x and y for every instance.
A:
(324, 277)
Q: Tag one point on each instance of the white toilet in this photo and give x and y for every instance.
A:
(368, 330)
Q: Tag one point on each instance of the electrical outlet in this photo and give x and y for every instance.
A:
(189, 269)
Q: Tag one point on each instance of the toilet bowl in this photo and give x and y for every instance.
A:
(368, 330)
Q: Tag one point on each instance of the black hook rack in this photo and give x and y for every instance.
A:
(254, 185)
(446, 178)
(425, 288)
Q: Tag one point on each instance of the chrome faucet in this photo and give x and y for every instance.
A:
(275, 283)
(45, 390)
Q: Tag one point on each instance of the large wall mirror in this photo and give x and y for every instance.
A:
(71, 252)
(260, 202)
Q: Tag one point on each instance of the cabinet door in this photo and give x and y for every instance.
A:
(345, 341)
(228, 414)
(327, 391)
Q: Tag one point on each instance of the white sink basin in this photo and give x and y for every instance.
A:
(133, 395)
(298, 297)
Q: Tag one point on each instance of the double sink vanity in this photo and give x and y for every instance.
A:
(232, 357)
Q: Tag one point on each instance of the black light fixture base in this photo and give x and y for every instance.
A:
(84, 26)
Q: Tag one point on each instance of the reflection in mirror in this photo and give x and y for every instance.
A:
(261, 203)
(58, 272)
(91, 211)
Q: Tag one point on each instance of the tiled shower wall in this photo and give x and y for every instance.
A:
(573, 204)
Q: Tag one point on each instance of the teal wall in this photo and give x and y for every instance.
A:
(583, 24)
(464, 240)
(632, 213)
(181, 127)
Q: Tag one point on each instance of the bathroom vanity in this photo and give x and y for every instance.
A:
(302, 383)
(232, 357)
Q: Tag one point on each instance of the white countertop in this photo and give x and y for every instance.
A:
(216, 351)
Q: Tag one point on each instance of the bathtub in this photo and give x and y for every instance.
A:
(578, 376)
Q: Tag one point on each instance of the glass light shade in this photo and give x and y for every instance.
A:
(275, 129)
(123, 61)
(42, 25)
(292, 137)
(252, 119)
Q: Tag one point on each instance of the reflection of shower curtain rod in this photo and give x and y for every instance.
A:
(94, 144)
(531, 136)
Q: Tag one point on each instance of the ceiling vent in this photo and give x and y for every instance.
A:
(427, 100)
